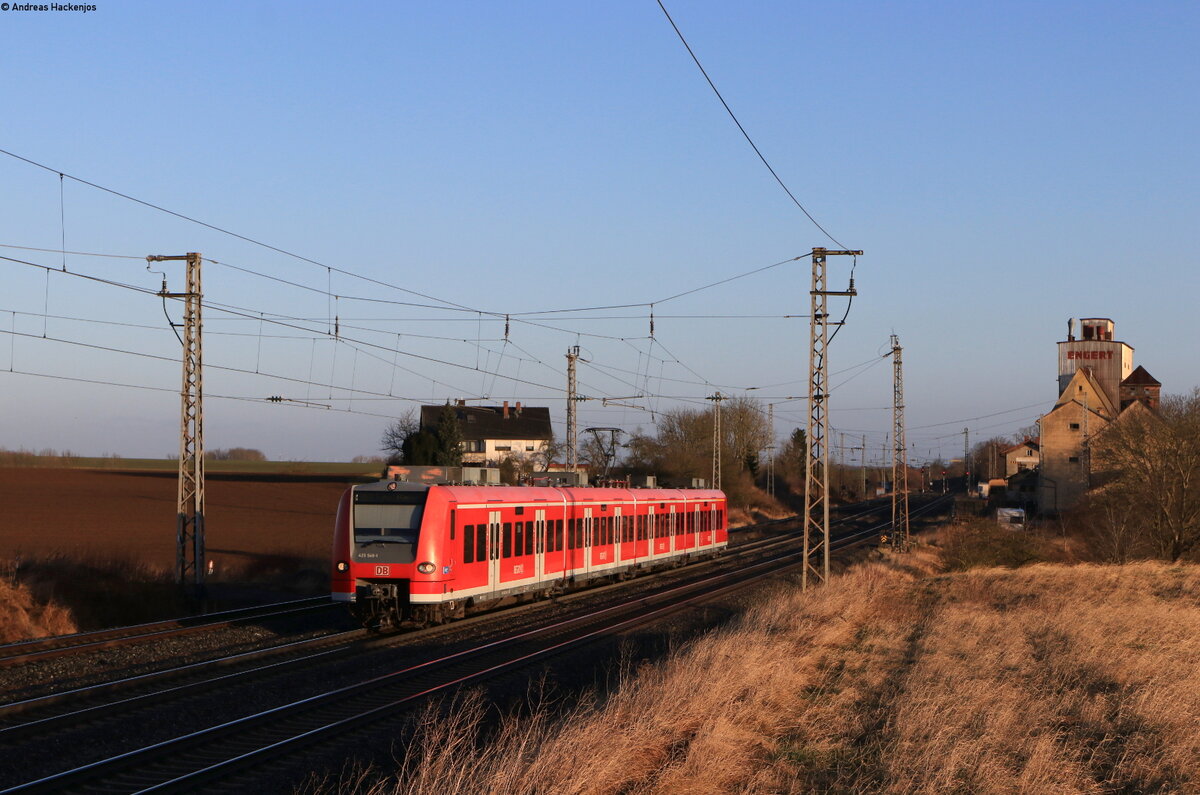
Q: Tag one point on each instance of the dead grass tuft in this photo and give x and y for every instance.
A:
(22, 617)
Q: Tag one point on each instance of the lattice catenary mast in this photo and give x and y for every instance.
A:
(899, 536)
(716, 456)
(572, 418)
(771, 451)
(189, 525)
(816, 468)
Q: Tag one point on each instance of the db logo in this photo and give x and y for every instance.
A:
(383, 571)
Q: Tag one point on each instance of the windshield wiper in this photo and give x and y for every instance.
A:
(383, 541)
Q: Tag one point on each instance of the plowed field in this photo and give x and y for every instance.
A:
(103, 514)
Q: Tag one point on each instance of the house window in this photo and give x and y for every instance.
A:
(1074, 459)
(503, 448)
(474, 446)
(1074, 426)
(529, 448)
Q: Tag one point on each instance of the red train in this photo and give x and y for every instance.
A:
(415, 552)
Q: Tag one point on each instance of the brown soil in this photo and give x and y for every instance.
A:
(104, 514)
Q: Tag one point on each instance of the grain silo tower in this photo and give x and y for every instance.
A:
(1110, 360)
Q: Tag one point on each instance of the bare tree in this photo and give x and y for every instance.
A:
(1148, 463)
(546, 454)
(987, 458)
(1108, 519)
(746, 432)
(396, 434)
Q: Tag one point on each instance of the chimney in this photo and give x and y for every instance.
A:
(518, 408)
(506, 409)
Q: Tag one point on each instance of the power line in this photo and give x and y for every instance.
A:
(745, 134)
(72, 253)
(215, 228)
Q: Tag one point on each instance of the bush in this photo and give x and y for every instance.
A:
(981, 543)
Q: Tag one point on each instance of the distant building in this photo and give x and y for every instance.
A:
(1021, 457)
(492, 434)
(1141, 387)
(1097, 386)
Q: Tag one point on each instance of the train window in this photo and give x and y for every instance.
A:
(519, 539)
(388, 517)
(570, 534)
(530, 537)
(506, 549)
(481, 542)
(469, 544)
(558, 534)
(453, 521)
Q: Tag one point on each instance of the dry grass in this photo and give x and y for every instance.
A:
(1055, 679)
(894, 678)
(22, 617)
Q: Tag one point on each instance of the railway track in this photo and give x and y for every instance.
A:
(55, 710)
(201, 758)
(31, 651)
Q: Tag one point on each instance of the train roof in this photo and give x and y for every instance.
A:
(483, 494)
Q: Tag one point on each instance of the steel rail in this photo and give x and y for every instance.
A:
(25, 652)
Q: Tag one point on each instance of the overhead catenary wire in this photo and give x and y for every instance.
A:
(258, 317)
(742, 129)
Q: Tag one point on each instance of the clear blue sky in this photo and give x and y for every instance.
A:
(1004, 167)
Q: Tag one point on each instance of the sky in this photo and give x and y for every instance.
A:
(399, 177)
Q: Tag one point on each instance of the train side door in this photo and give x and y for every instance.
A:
(618, 528)
(674, 530)
(539, 549)
(587, 539)
(652, 533)
(494, 549)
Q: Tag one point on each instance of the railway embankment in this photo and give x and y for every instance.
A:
(916, 672)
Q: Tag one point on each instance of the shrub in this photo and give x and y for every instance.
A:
(982, 543)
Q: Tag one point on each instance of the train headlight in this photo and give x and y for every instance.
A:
(342, 566)
(426, 567)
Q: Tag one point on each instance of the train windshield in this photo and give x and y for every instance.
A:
(388, 517)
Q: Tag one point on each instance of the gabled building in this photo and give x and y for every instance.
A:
(1098, 385)
(1022, 457)
(1140, 387)
(492, 434)
(1081, 411)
